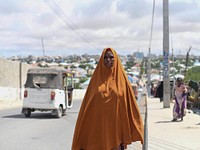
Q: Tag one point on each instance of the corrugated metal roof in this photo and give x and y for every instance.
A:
(47, 71)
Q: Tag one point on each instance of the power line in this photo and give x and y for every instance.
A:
(149, 57)
(63, 17)
(58, 11)
(152, 21)
(62, 13)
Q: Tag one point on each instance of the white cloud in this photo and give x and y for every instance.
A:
(90, 25)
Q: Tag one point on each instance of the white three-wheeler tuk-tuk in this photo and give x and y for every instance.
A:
(48, 89)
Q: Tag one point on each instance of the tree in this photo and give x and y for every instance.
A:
(129, 64)
(193, 74)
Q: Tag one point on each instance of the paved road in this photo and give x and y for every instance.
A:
(41, 131)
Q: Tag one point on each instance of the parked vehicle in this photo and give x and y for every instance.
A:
(48, 89)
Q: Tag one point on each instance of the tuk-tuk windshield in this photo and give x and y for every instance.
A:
(41, 81)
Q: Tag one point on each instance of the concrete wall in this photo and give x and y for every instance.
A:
(12, 73)
(12, 79)
(9, 94)
(13, 76)
(9, 73)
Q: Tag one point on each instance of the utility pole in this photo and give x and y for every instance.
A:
(186, 61)
(166, 80)
(149, 73)
(43, 47)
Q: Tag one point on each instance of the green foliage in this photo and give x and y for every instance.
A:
(142, 69)
(85, 66)
(72, 66)
(77, 85)
(176, 65)
(129, 64)
(155, 64)
(83, 79)
(190, 63)
(193, 74)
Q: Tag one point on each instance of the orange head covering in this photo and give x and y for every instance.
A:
(109, 114)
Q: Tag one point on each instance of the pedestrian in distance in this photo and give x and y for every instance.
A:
(159, 91)
(109, 117)
(179, 109)
(152, 90)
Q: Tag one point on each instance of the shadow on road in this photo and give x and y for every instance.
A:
(33, 116)
(169, 121)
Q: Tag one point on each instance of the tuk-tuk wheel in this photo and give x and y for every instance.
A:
(27, 113)
(59, 112)
(64, 112)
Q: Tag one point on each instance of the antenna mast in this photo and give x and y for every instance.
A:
(43, 47)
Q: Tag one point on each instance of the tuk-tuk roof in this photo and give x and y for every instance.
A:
(47, 71)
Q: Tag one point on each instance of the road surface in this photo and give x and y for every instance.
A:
(41, 131)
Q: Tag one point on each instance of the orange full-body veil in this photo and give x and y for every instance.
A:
(109, 114)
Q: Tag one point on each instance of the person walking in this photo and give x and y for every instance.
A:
(180, 100)
(159, 91)
(109, 117)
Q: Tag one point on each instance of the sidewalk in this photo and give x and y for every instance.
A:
(166, 135)
(162, 133)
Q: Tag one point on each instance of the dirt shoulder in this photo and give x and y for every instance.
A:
(10, 104)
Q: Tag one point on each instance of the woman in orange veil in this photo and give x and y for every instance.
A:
(109, 117)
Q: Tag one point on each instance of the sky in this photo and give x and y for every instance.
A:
(69, 27)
